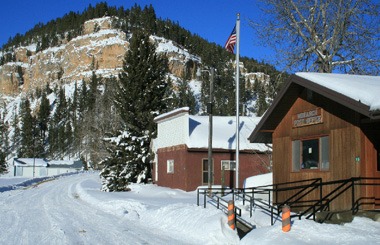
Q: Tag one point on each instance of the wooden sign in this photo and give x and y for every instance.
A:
(307, 118)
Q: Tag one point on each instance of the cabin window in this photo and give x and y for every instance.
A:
(311, 154)
(377, 148)
(170, 166)
(325, 152)
(228, 165)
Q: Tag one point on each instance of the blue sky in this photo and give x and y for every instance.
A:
(211, 19)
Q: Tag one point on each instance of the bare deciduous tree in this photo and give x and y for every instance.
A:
(323, 35)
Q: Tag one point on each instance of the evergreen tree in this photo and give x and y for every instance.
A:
(140, 98)
(6, 139)
(185, 97)
(57, 135)
(74, 118)
(261, 103)
(83, 97)
(93, 92)
(16, 133)
(3, 163)
(224, 93)
(27, 131)
(43, 120)
(4, 145)
(2, 129)
(69, 138)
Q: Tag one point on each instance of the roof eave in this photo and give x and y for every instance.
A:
(263, 133)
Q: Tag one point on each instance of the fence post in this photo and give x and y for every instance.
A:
(197, 197)
(353, 195)
(285, 218)
(271, 215)
(223, 180)
(320, 191)
(276, 193)
(204, 198)
(231, 214)
(250, 207)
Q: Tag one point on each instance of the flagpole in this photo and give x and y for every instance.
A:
(237, 97)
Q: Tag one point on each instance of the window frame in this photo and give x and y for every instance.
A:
(205, 171)
(170, 166)
(228, 163)
(323, 163)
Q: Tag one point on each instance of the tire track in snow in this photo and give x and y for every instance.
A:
(54, 213)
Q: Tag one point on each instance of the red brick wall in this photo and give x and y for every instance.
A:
(188, 167)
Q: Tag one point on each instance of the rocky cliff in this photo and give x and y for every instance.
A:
(100, 48)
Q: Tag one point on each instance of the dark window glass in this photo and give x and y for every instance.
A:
(310, 154)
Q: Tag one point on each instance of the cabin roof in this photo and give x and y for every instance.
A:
(357, 92)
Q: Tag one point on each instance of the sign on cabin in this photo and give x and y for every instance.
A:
(307, 118)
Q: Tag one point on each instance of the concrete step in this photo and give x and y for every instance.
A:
(243, 229)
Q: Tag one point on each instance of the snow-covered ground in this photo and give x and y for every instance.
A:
(73, 210)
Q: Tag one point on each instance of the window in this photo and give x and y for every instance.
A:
(228, 165)
(170, 166)
(377, 148)
(325, 153)
(205, 171)
(311, 154)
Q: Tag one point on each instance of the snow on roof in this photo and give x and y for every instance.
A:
(365, 89)
(224, 132)
(40, 162)
(171, 113)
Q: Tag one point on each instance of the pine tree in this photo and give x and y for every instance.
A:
(93, 92)
(261, 103)
(2, 129)
(185, 97)
(140, 98)
(83, 97)
(57, 134)
(43, 117)
(3, 163)
(16, 133)
(74, 118)
(27, 148)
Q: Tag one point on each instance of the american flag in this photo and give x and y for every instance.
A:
(230, 44)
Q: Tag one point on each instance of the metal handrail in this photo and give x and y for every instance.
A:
(317, 205)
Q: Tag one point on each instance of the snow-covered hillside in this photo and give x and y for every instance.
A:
(73, 210)
(101, 47)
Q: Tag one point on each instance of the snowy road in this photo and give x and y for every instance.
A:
(73, 210)
(54, 213)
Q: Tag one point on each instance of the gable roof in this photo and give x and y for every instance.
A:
(224, 133)
(357, 92)
(178, 127)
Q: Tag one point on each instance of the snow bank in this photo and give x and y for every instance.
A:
(174, 212)
(359, 231)
(259, 180)
(156, 214)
